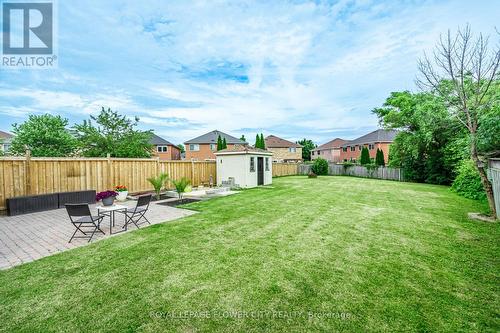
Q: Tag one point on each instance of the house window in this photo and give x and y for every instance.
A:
(292, 150)
(319, 152)
(344, 149)
(267, 163)
(360, 147)
(252, 164)
(213, 146)
(313, 152)
(353, 148)
(371, 146)
(161, 149)
(194, 147)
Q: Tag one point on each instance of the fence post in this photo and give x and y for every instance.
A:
(110, 181)
(27, 173)
(192, 174)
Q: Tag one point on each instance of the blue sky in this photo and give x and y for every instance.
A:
(290, 68)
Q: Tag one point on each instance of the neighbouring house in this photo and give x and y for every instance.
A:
(381, 139)
(283, 150)
(244, 166)
(329, 151)
(204, 146)
(164, 149)
(5, 141)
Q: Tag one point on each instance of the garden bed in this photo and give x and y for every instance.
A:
(178, 202)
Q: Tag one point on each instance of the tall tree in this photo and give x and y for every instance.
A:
(307, 147)
(219, 143)
(113, 134)
(243, 138)
(181, 147)
(44, 135)
(462, 72)
(257, 141)
(379, 158)
(262, 141)
(365, 156)
(224, 143)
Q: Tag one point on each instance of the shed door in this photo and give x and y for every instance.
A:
(260, 171)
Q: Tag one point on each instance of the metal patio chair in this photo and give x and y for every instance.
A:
(136, 214)
(80, 217)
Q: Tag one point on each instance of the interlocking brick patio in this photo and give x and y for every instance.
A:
(24, 238)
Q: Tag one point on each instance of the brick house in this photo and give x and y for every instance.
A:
(283, 150)
(329, 151)
(203, 147)
(5, 140)
(381, 139)
(164, 149)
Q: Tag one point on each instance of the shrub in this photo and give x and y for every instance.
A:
(320, 167)
(365, 156)
(379, 158)
(468, 182)
(312, 175)
(157, 183)
(181, 186)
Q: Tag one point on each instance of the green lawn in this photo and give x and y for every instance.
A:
(326, 254)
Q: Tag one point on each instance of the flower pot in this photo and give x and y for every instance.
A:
(108, 201)
(122, 196)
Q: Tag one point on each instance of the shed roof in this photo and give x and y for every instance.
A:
(211, 137)
(379, 135)
(241, 150)
(273, 141)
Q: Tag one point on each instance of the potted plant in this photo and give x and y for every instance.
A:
(122, 192)
(107, 197)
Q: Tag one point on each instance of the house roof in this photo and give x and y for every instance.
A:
(273, 141)
(379, 135)
(211, 137)
(242, 149)
(157, 140)
(335, 143)
(5, 135)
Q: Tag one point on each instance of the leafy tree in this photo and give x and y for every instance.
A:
(320, 167)
(468, 182)
(219, 143)
(45, 135)
(243, 138)
(430, 142)
(224, 143)
(113, 134)
(462, 72)
(365, 156)
(379, 158)
(181, 147)
(307, 147)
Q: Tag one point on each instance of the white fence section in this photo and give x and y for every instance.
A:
(358, 171)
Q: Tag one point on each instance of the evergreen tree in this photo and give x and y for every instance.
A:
(365, 156)
(219, 143)
(224, 143)
(379, 158)
(262, 141)
(243, 138)
(257, 141)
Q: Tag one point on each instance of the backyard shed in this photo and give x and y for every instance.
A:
(243, 166)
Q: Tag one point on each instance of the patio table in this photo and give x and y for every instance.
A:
(110, 211)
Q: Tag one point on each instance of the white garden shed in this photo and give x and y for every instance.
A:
(243, 166)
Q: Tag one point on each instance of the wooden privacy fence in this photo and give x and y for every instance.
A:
(30, 176)
(285, 169)
(358, 171)
(494, 173)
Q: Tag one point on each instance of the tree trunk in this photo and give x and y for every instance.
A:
(484, 177)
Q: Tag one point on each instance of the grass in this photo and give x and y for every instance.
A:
(325, 254)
